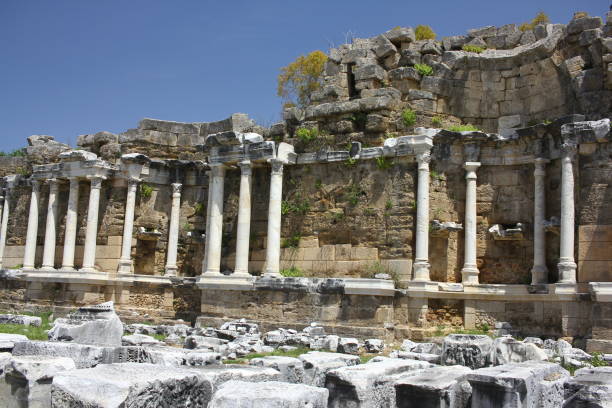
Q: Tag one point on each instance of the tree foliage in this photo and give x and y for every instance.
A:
(424, 32)
(298, 80)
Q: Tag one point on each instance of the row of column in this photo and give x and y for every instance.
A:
(214, 226)
(470, 272)
(89, 255)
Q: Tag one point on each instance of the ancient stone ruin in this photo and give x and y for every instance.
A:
(373, 211)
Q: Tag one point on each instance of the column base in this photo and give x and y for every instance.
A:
(422, 285)
(469, 275)
(421, 271)
(28, 268)
(88, 269)
(171, 270)
(225, 282)
(539, 275)
(567, 271)
(125, 266)
(67, 269)
(47, 269)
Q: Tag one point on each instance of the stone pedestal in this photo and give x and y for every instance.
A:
(469, 273)
(244, 221)
(91, 235)
(29, 256)
(274, 219)
(125, 263)
(48, 263)
(567, 265)
(421, 261)
(71, 226)
(173, 230)
(539, 272)
(215, 228)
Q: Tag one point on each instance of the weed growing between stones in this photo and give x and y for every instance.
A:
(409, 117)
(293, 272)
(464, 128)
(473, 48)
(424, 69)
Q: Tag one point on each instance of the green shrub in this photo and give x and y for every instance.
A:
(146, 190)
(388, 205)
(307, 135)
(350, 161)
(436, 121)
(464, 128)
(291, 242)
(409, 117)
(424, 32)
(473, 48)
(293, 272)
(424, 69)
(540, 18)
(353, 194)
(598, 361)
(198, 208)
(383, 163)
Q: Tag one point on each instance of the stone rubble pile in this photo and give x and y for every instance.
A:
(79, 367)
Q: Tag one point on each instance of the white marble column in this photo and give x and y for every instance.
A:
(207, 232)
(215, 229)
(91, 234)
(469, 273)
(539, 271)
(421, 260)
(567, 265)
(274, 219)
(48, 263)
(243, 233)
(125, 262)
(29, 256)
(173, 230)
(71, 226)
(4, 225)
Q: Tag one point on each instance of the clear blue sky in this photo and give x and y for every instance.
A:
(69, 67)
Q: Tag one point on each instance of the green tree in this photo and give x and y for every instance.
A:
(298, 80)
(424, 32)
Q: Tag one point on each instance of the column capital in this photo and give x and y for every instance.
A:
(470, 168)
(53, 184)
(96, 181)
(176, 188)
(35, 184)
(423, 157)
(246, 167)
(277, 166)
(217, 170)
(73, 179)
(133, 181)
(569, 148)
(540, 166)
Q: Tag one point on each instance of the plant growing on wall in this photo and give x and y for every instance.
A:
(436, 121)
(14, 153)
(298, 80)
(146, 190)
(198, 208)
(291, 242)
(540, 18)
(359, 119)
(307, 135)
(473, 48)
(409, 117)
(424, 32)
(464, 128)
(424, 69)
(293, 272)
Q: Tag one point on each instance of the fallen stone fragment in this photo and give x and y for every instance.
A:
(434, 387)
(130, 385)
(27, 380)
(20, 319)
(374, 345)
(84, 356)
(268, 394)
(590, 387)
(228, 372)
(366, 385)
(318, 363)
(291, 369)
(408, 355)
(348, 345)
(530, 384)
(468, 350)
(196, 358)
(508, 350)
(139, 340)
(96, 325)
(8, 341)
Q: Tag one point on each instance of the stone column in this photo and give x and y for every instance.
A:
(125, 263)
(215, 229)
(421, 260)
(469, 273)
(4, 225)
(274, 219)
(173, 233)
(207, 232)
(48, 263)
(539, 272)
(71, 226)
(244, 220)
(29, 256)
(1, 205)
(91, 235)
(567, 265)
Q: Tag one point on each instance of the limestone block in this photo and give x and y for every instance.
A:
(594, 271)
(200, 359)
(590, 387)
(318, 363)
(27, 380)
(139, 340)
(343, 252)
(84, 356)
(8, 341)
(438, 386)
(530, 384)
(20, 319)
(131, 384)
(309, 242)
(508, 350)
(364, 254)
(224, 373)
(401, 35)
(585, 23)
(594, 251)
(269, 394)
(469, 350)
(291, 369)
(365, 385)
